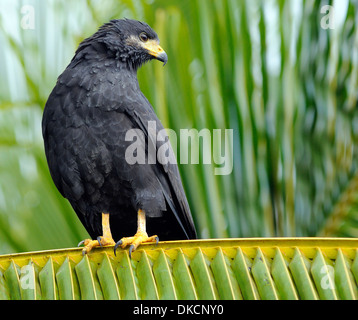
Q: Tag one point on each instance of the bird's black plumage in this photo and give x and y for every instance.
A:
(96, 100)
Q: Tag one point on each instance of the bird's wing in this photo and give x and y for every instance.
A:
(167, 174)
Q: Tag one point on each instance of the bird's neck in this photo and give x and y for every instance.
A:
(127, 74)
(96, 54)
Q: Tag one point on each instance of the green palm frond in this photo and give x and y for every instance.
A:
(230, 269)
(343, 220)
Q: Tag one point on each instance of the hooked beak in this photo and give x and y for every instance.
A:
(155, 50)
(163, 57)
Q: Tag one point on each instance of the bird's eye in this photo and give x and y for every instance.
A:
(143, 36)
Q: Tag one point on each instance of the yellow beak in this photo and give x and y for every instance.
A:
(154, 49)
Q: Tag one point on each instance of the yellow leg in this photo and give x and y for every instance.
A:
(105, 240)
(140, 237)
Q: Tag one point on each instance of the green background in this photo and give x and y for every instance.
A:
(268, 69)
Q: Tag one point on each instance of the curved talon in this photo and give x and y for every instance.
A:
(119, 243)
(81, 243)
(99, 241)
(135, 241)
(131, 248)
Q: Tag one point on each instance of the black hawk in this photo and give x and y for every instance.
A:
(94, 104)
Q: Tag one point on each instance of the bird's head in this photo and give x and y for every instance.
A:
(130, 41)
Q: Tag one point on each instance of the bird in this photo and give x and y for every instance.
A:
(95, 103)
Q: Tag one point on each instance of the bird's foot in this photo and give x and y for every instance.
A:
(135, 241)
(100, 242)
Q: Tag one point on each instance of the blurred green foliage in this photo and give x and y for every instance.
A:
(265, 68)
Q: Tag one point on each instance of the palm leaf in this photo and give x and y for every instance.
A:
(230, 269)
(342, 220)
